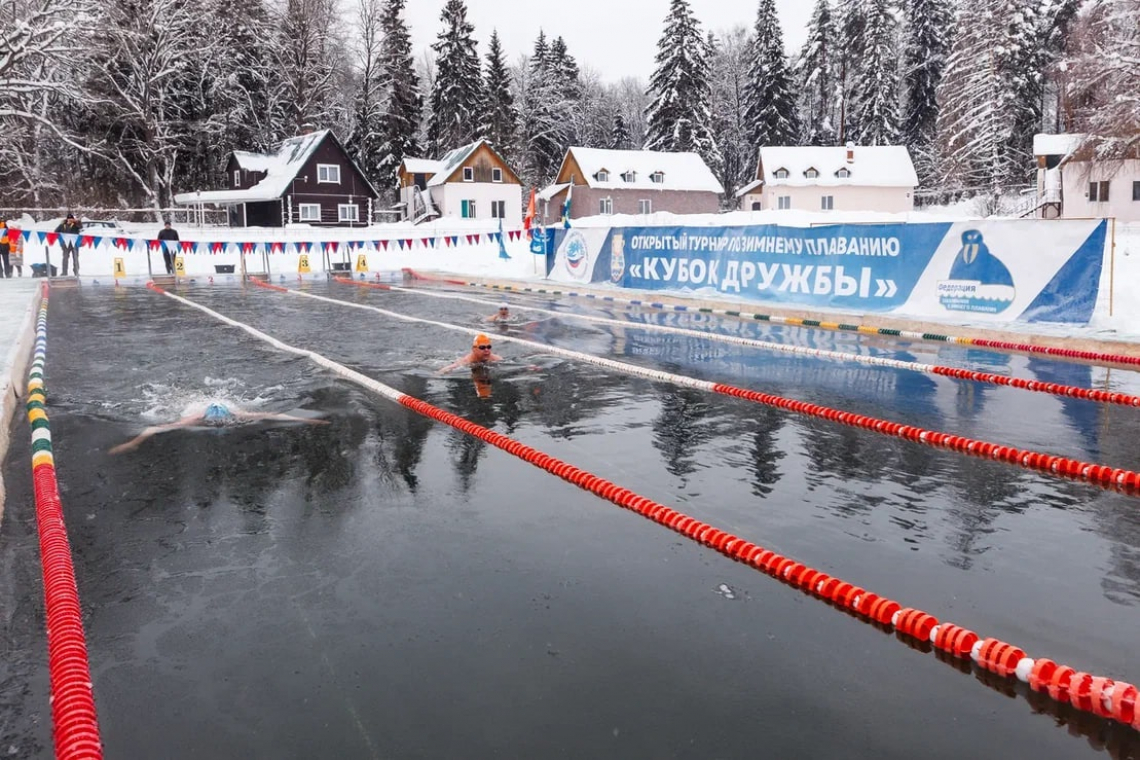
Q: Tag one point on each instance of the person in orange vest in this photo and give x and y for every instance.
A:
(5, 248)
(17, 253)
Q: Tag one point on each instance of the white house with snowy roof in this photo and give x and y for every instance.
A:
(826, 178)
(471, 182)
(307, 179)
(604, 182)
(1071, 183)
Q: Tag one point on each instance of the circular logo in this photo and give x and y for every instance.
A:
(577, 256)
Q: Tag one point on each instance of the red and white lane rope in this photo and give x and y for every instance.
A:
(1118, 478)
(75, 726)
(1105, 697)
(1027, 348)
(1056, 389)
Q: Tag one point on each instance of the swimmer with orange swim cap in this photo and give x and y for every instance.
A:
(480, 354)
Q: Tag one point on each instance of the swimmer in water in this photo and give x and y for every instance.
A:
(480, 355)
(502, 315)
(214, 415)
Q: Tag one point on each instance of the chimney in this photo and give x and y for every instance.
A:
(850, 152)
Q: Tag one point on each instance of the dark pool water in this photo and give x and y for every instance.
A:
(387, 587)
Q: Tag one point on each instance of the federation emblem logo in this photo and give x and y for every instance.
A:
(577, 256)
(979, 281)
(617, 256)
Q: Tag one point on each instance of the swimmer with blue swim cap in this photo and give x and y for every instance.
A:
(216, 414)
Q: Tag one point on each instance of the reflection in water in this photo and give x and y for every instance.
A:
(766, 455)
(1084, 417)
(680, 428)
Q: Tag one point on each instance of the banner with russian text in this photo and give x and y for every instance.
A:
(992, 271)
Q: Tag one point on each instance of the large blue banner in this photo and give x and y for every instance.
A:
(983, 271)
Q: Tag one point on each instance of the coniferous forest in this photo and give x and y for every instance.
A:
(122, 103)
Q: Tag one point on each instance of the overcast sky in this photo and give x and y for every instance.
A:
(616, 38)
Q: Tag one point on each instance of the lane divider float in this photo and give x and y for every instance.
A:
(1102, 696)
(1103, 476)
(1026, 348)
(75, 725)
(956, 373)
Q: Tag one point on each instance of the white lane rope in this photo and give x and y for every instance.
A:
(817, 353)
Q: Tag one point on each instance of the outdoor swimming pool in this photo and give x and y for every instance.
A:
(386, 586)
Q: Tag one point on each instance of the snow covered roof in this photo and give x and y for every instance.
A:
(222, 197)
(679, 171)
(252, 162)
(422, 165)
(280, 169)
(451, 161)
(749, 187)
(550, 191)
(1056, 145)
(874, 166)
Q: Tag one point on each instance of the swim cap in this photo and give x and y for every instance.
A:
(216, 413)
(504, 305)
(480, 338)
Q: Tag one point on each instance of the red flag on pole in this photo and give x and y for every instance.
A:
(529, 220)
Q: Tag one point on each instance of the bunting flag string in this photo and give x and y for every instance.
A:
(248, 247)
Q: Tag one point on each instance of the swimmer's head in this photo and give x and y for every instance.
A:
(504, 308)
(217, 413)
(481, 344)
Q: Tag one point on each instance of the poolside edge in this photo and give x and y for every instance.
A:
(17, 363)
(1105, 345)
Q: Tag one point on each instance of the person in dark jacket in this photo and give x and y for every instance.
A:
(168, 233)
(70, 226)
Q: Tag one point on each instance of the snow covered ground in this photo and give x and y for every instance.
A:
(1116, 317)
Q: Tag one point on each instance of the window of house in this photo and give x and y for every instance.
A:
(1098, 192)
(843, 173)
(1136, 191)
(496, 174)
(328, 173)
(657, 177)
(606, 206)
(468, 174)
(467, 209)
(645, 206)
(780, 174)
(237, 177)
(827, 203)
(602, 176)
(347, 212)
(629, 177)
(756, 206)
(498, 209)
(811, 174)
(784, 202)
(309, 212)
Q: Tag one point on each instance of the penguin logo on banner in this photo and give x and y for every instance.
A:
(979, 281)
(617, 257)
(577, 255)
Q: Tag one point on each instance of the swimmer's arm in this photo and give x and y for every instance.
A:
(496, 358)
(454, 365)
(135, 442)
(278, 416)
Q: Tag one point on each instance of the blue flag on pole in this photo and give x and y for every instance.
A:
(502, 245)
(566, 207)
